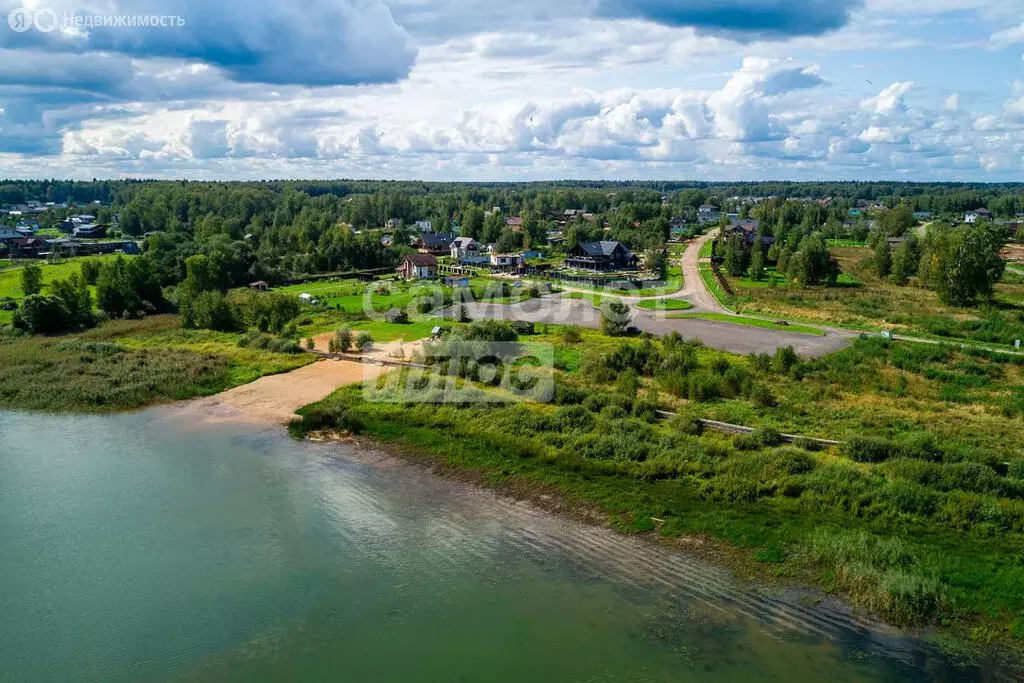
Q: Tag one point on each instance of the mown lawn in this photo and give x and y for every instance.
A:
(10, 280)
(665, 304)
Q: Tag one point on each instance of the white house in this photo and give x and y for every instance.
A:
(507, 261)
(425, 226)
(464, 246)
(975, 216)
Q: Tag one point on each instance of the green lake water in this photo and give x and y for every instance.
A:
(156, 546)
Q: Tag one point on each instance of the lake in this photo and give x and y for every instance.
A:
(164, 546)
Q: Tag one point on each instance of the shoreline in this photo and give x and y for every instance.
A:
(718, 554)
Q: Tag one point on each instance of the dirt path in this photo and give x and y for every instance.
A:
(694, 290)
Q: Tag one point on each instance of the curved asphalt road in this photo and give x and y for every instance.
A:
(741, 339)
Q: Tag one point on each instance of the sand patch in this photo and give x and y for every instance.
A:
(275, 398)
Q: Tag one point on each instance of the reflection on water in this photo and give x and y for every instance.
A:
(158, 546)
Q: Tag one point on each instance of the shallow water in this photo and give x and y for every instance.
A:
(158, 546)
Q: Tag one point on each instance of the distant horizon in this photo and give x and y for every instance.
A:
(593, 181)
(473, 90)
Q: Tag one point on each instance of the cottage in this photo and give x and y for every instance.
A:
(507, 262)
(706, 213)
(90, 231)
(425, 226)
(975, 216)
(748, 230)
(259, 286)
(604, 255)
(515, 223)
(463, 247)
(8, 233)
(437, 244)
(923, 215)
(418, 267)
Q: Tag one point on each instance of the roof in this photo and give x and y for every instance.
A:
(745, 225)
(515, 220)
(602, 248)
(420, 259)
(463, 242)
(441, 239)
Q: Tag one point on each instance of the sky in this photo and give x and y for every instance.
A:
(511, 90)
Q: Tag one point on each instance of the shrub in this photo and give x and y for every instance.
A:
(1016, 469)
(785, 359)
(646, 410)
(344, 339)
(761, 395)
(571, 335)
(566, 394)
(573, 418)
(614, 412)
(492, 331)
(762, 437)
(42, 314)
(869, 449)
(310, 344)
(364, 341)
(703, 386)
(685, 424)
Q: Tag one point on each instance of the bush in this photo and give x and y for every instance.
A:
(762, 437)
(571, 335)
(869, 449)
(614, 412)
(1016, 469)
(615, 318)
(785, 359)
(573, 418)
(685, 424)
(344, 339)
(364, 341)
(310, 344)
(209, 311)
(42, 314)
(492, 331)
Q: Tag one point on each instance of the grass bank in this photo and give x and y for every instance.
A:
(752, 322)
(123, 365)
(918, 518)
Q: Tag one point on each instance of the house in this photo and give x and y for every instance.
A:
(507, 262)
(463, 247)
(437, 244)
(393, 224)
(27, 247)
(425, 226)
(8, 233)
(259, 286)
(748, 230)
(923, 215)
(975, 216)
(418, 267)
(515, 223)
(90, 231)
(706, 213)
(604, 255)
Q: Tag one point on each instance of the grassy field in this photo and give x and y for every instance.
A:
(707, 249)
(918, 518)
(129, 364)
(673, 283)
(10, 280)
(665, 304)
(751, 322)
(865, 301)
